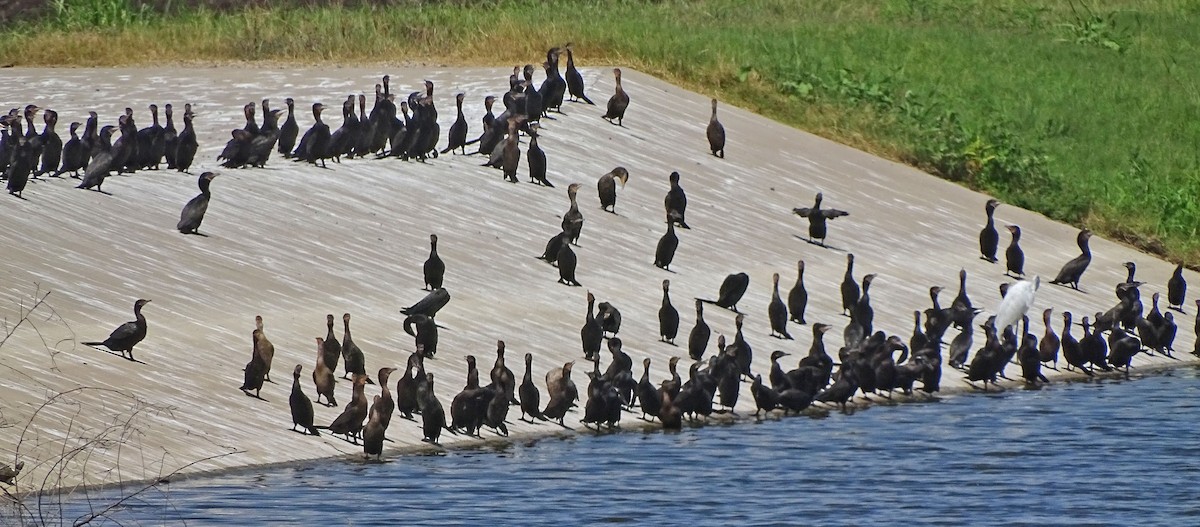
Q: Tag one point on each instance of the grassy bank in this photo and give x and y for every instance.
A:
(1089, 113)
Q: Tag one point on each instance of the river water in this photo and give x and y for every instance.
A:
(1106, 452)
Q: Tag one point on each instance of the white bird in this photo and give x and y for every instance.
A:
(1016, 303)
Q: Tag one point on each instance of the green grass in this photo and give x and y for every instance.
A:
(1087, 112)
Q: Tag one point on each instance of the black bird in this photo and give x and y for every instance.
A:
(731, 291)
(127, 335)
(607, 188)
(562, 392)
(1071, 349)
(864, 314)
(1095, 350)
(1014, 257)
(618, 103)
(610, 318)
(535, 157)
(842, 389)
(572, 220)
(575, 79)
(353, 359)
(343, 140)
(798, 296)
(185, 152)
(698, 338)
(289, 131)
(434, 268)
(1176, 289)
(74, 154)
(301, 405)
(566, 265)
(457, 136)
(817, 217)
(668, 316)
(716, 133)
(591, 334)
(430, 305)
(554, 87)
(647, 395)
(529, 393)
(777, 311)
(962, 313)
(550, 255)
(664, 254)
(960, 347)
(1050, 344)
(1073, 270)
(314, 146)
(237, 151)
(850, 291)
(1122, 349)
(193, 213)
(424, 330)
(101, 162)
(676, 202)
(433, 416)
(989, 239)
(51, 144)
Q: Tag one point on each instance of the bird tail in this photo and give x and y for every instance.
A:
(92, 343)
(586, 99)
(312, 430)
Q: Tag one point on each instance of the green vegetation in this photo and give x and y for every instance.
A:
(1087, 112)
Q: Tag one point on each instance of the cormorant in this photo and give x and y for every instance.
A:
(323, 377)
(302, 407)
(609, 317)
(433, 416)
(430, 305)
(798, 297)
(1014, 257)
(591, 334)
(127, 335)
(74, 154)
(668, 317)
(289, 131)
(989, 239)
(554, 87)
(607, 187)
(618, 103)
(457, 136)
(1073, 270)
(529, 393)
(101, 162)
(716, 133)
(817, 217)
(575, 79)
(434, 268)
(676, 202)
(314, 146)
(373, 432)
(425, 334)
(664, 254)
(331, 349)
(536, 159)
(562, 392)
(185, 153)
(1176, 289)
(850, 291)
(1050, 343)
(572, 221)
(698, 338)
(777, 311)
(550, 255)
(731, 291)
(263, 349)
(510, 155)
(51, 144)
(353, 358)
(566, 265)
(350, 422)
(193, 212)
(1071, 349)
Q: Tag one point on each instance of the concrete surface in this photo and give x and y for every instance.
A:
(292, 243)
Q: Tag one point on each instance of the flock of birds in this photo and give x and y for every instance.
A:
(866, 363)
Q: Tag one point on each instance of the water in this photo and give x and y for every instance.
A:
(1088, 453)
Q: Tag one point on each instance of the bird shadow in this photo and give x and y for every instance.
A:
(667, 270)
(115, 354)
(810, 241)
(256, 396)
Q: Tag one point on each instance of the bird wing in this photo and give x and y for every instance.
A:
(124, 331)
(834, 213)
(802, 211)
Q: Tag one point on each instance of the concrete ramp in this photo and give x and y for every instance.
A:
(294, 242)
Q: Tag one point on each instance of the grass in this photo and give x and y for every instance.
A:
(1086, 112)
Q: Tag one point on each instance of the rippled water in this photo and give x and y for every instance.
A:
(1089, 453)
